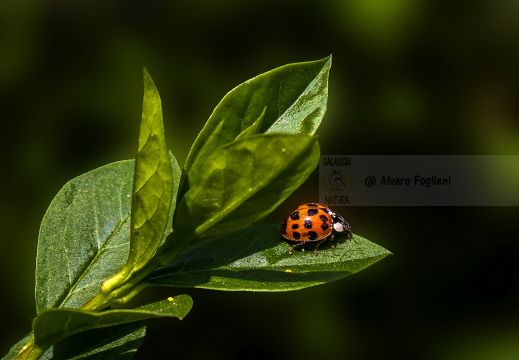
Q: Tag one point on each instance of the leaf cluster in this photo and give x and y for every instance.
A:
(115, 230)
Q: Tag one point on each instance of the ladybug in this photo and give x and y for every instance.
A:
(311, 223)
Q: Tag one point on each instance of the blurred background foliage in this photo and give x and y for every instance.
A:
(408, 77)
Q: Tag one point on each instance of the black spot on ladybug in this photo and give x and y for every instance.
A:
(296, 235)
(308, 224)
(312, 212)
(324, 225)
(295, 215)
(312, 235)
(283, 227)
(295, 226)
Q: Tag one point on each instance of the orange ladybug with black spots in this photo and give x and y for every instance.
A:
(312, 223)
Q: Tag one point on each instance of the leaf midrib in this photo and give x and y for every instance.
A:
(93, 261)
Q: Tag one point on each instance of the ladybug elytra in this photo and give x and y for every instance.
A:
(311, 223)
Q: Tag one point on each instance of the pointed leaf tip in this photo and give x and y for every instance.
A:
(153, 181)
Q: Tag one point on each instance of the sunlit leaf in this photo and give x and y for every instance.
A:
(153, 182)
(244, 181)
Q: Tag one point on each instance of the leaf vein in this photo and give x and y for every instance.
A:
(73, 289)
(153, 174)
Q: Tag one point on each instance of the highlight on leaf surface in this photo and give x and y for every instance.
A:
(244, 181)
(153, 181)
(153, 186)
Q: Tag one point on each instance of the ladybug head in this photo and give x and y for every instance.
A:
(339, 224)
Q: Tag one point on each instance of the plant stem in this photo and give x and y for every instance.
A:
(120, 287)
(30, 351)
(106, 297)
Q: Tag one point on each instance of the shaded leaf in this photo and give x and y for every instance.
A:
(55, 324)
(257, 259)
(85, 235)
(116, 342)
(119, 342)
(244, 181)
(293, 97)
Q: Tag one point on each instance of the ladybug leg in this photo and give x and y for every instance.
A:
(330, 237)
(305, 242)
(332, 245)
(316, 250)
(349, 234)
(291, 251)
(302, 243)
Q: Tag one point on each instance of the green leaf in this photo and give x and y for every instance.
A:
(152, 184)
(257, 259)
(85, 235)
(293, 97)
(119, 342)
(254, 128)
(244, 181)
(55, 324)
(116, 342)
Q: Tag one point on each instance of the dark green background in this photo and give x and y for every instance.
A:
(408, 77)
